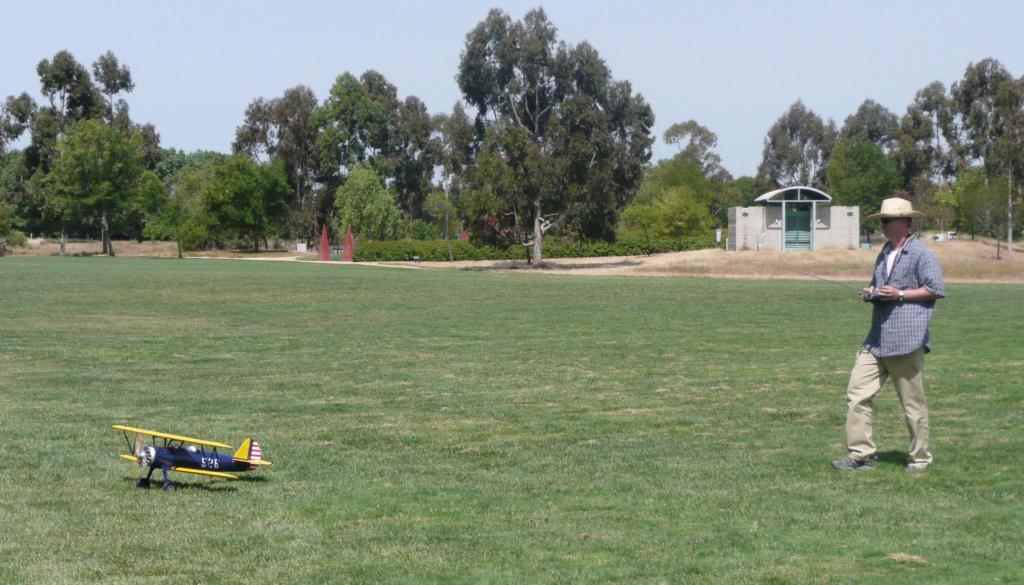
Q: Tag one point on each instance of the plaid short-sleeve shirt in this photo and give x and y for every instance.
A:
(898, 328)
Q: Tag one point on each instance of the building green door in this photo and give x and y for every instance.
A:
(798, 227)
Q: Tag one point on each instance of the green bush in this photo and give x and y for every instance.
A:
(16, 239)
(426, 250)
(437, 250)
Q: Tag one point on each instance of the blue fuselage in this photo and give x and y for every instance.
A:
(197, 458)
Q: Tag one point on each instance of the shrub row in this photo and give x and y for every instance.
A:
(437, 250)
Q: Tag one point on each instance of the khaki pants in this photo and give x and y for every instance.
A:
(866, 380)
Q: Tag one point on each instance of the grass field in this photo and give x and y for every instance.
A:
(475, 427)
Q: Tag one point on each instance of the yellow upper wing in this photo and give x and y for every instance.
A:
(171, 437)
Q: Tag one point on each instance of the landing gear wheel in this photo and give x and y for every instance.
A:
(142, 483)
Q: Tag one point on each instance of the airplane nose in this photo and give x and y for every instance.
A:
(146, 456)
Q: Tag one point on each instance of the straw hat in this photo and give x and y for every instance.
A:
(896, 207)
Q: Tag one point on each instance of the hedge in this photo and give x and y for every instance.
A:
(437, 250)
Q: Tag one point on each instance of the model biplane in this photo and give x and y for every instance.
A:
(187, 455)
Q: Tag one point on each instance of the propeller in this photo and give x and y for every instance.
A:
(138, 447)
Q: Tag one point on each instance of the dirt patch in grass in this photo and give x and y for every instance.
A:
(150, 249)
(51, 247)
(907, 559)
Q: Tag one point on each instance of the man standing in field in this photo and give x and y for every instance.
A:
(905, 285)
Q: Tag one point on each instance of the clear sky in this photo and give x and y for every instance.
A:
(734, 66)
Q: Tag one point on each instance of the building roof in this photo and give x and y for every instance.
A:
(797, 193)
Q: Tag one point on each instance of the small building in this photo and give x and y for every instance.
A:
(793, 218)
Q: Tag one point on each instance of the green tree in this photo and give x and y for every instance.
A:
(978, 202)
(674, 201)
(365, 205)
(860, 174)
(181, 214)
(797, 148)
(246, 199)
(573, 141)
(6, 224)
(97, 172)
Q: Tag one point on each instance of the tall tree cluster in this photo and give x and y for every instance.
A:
(562, 143)
(957, 152)
(544, 141)
(85, 163)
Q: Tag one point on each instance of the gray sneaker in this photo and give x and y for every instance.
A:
(917, 467)
(851, 464)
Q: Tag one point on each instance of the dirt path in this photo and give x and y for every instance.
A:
(961, 260)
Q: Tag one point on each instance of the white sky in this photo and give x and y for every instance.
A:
(734, 66)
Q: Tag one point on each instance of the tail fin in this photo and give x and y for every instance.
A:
(243, 452)
(251, 453)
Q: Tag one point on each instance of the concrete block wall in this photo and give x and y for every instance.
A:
(835, 226)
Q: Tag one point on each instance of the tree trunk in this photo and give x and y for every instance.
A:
(448, 225)
(1009, 212)
(178, 241)
(63, 240)
(108, 246)
(255, 243)
(538, 234)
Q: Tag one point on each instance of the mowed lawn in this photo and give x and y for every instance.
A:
(479, 427)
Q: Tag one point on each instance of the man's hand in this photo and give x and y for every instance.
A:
(888, 293)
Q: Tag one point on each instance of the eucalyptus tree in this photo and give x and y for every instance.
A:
(914, 153)
(987, 101)
(16, 115)
(68, 88)
(860, 174)
(113, 78)
(697, 143)
(936, 104)
(457, 143)
(872, 122)
(285, 129)
(364, 121)
(796, 148)
(1008, 150)
(564, 143)
(415, 152)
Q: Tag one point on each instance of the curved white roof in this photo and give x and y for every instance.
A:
(807, 193)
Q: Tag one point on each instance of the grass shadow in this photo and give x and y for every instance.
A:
(211, 487)
(899, 458)
(252, 478)
(522, 265)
